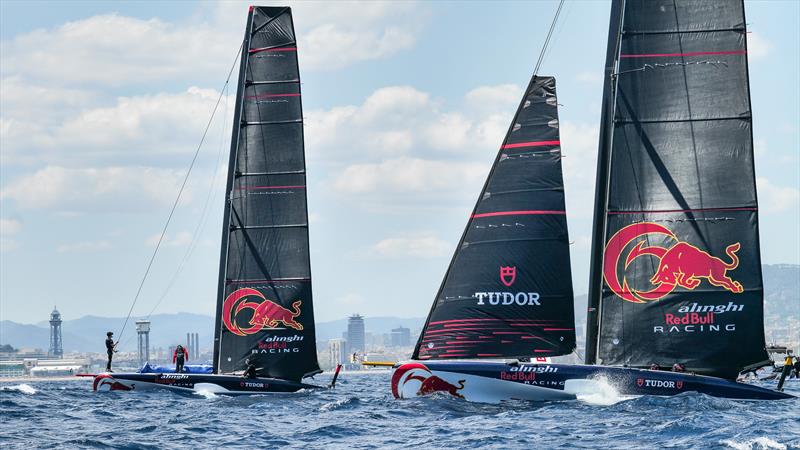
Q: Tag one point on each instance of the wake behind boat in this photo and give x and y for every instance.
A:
(675, 277)
(264, 313)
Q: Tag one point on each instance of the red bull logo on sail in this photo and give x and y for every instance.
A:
(681, 265)
(265, 313)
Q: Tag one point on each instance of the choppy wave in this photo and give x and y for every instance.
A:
(24, 388)
(361, 413)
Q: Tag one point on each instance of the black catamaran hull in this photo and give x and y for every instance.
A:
(492, 382)
(217, 384)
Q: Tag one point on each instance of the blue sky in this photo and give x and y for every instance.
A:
(102, 105)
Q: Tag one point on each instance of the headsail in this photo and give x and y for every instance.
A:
(264, 306)
(508, 290)
(677, 276)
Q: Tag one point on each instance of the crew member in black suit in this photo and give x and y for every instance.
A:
(110, 349)
(179, 357)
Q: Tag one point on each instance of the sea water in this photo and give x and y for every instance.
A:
(361, 413)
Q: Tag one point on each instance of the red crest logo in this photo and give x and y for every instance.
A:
(508, 275)
(682, 264)
(640, 382)
(265, 313)
(679, 384)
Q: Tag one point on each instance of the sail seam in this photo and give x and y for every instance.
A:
(720, 30)
(706, 119)
(666, 211)
(518, 213)
(669, 55)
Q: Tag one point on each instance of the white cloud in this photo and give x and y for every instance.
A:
(149, 129)
(758, 46)
(332, 46)
(593, 77)
(9, 227)
(409, 175)
(418, 245)
(113, 189)
(774, 199)
(502, 97)
(85, 247)
(402, 120)
(579, 146)
(180, 239)
(116, 50)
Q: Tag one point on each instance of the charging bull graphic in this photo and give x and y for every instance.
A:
(428, 382)
(266, 313)
(682, 264)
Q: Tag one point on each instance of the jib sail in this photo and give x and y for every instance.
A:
(508, 290)
(264, 306)
(676, 277)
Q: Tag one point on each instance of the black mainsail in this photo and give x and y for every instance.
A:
(677, 275)
(264, 305)
(508, 289)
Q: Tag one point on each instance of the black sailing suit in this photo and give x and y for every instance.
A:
(110, 350)
(178, 358)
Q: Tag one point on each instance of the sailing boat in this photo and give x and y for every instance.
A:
(264, 314)
(675, 187)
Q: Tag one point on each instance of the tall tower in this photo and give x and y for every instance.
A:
(143, 330)
(355, 334)
(56, 347)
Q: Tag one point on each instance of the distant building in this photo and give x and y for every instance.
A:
(401, 337)
(337, 352)
(56, 346)
(143, 332)
(355, 334)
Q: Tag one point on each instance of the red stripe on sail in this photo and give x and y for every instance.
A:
(530, 144)
(558, 329)
(665, 211)
(464, 320)
(667, 55)
(276, 49)
(517, 213)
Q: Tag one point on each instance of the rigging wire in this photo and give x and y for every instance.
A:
(212, 195)
(547, 40)
(180, 193)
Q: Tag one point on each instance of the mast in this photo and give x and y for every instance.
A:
(501, 297)
(265, 312)
(226, 218)
(601, 183)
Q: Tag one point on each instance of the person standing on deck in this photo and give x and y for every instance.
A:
(178, 357)
(110, 349)
(788, 365)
